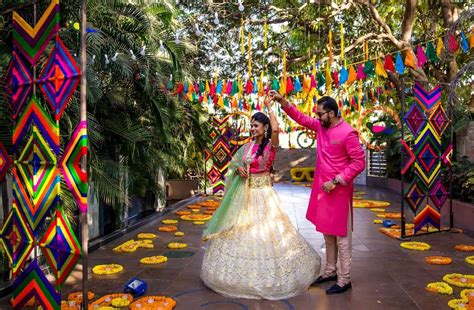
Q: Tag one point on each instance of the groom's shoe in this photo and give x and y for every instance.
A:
(336, 289)
(320, 279)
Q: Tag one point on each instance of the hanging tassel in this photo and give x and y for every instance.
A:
(343, 75)
(431, 53)
(330, 48)
(241, 87)
(452, 44)
(250, 54)
(464, 44)
(342, 44)
(283, 78)
(313, 64)
(410, 59)
(388, 64)
(265, 33)
(439, 47)
(360, 72)
(352, 75)
(399, 64)
(420, 56)
(261, 89)
(379, 69)
(366, 50)
(242, 40)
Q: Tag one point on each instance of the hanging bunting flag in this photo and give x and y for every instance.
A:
(207, 88)
(439, 47)
(229, 88)
(297, 84)
(235, 88)
(344, 75)
(220, 102)
(248, 87)
(185, 87)
(261, 89)
(420, 56)
(352, 75)
(201, 87)
(360, 72)
(388, 64)
(379, 69)
(369, 69)
(452, 44)
(313, 84)
(289, 86)
(275, 85)
(321, 81)
(335, 78)
(464, 44)
(241, 87)
(431, 53)
(399, 64)
(306, 84)
(410, 59)
(219, 87)
(283, 78)
(255, 86)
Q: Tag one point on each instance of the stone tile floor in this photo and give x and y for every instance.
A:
(384, 276)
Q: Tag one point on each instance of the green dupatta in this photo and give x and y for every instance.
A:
(226, 217)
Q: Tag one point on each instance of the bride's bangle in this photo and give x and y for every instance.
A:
(271, 111)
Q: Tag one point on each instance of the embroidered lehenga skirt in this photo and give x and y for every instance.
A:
(263, 256)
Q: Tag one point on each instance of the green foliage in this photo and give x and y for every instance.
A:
(462, 178)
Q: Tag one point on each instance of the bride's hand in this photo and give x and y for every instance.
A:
(242, 172)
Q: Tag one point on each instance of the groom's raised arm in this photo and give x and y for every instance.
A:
(293, 112)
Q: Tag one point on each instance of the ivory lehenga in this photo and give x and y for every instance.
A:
(254, 251)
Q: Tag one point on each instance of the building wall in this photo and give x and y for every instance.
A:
(465, 141)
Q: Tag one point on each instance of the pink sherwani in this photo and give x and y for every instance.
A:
(339, 155)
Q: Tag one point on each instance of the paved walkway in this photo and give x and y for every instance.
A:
(384, 275)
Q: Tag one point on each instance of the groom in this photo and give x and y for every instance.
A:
(340, 158)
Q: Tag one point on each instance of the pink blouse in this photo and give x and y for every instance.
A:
(262, 163)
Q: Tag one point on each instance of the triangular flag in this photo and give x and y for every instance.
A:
(185, 89)
(180, 88)
(282, 89)
(388, 64)
(343, 75)
(170, 84)
(255, 86)
(297, 84)
(306, 84)
(235, 88)
(313, 83)
(439, 47)
(420, 56)
(196, 87)
(220, 102)
(226, 102)
(201, 87)
(261, 89)
(399, 64)
(369, 68)
(207, 89)
(289, 85)
(360, 72)
(229, 87)
(219, 87)
(335, 78)
(410, 59)
(452, 44)
(321, 80)
(464, 44)
(352, 75)
(275, 85)
(248, 87)
(430, 53)
(379, 69)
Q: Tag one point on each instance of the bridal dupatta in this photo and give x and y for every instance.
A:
(235, 199)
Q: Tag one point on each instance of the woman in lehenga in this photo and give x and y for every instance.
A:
(255, 251)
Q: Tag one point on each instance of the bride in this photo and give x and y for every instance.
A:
(254, 250)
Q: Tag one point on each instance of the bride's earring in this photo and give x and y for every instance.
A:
(266, 133)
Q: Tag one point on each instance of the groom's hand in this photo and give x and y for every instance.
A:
(328, 186)
(275, 96)
(242, 172)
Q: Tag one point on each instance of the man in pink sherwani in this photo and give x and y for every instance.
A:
(340, 158)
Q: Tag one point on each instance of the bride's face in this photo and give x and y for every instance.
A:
(257, 129)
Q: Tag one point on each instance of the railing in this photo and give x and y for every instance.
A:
(377, 164)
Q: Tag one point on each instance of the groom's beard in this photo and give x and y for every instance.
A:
(326, 123)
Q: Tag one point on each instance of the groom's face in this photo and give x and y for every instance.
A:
(323, 116)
